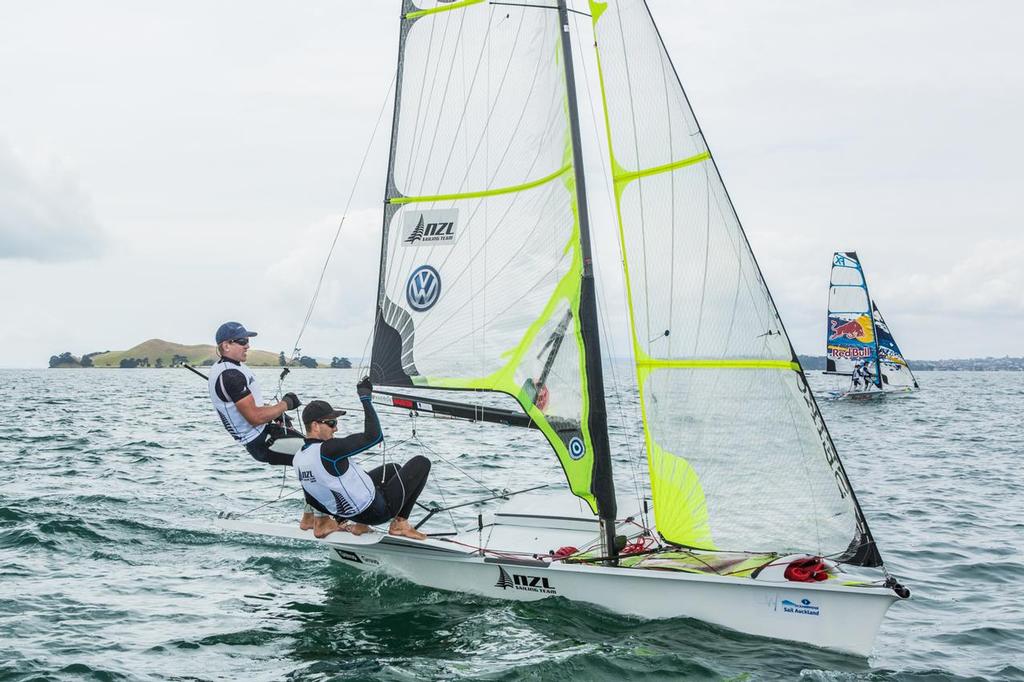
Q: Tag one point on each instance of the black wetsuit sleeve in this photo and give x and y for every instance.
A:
(232, 386)
(334, 453)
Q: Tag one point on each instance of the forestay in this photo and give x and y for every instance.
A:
(739, 456)
(480, 274)
(850, 337)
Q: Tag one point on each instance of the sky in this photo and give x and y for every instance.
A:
(166, 167)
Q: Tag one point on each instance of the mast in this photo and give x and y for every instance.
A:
(602, 485)
(380, 329)
(874, 327)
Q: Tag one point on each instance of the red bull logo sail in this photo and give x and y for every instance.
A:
(852, 353)
(858, 329)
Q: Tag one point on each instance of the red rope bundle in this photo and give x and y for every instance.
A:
(809, 570)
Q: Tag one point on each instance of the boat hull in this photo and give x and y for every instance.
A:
(842, 619)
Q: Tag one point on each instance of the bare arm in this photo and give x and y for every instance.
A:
(260, 414)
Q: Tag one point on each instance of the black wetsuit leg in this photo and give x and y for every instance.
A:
(402, 485)
(260, 447)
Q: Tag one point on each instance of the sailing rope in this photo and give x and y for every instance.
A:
(344, 215)
(281, 495)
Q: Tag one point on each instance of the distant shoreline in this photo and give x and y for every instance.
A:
(990, 364)
(160, 354)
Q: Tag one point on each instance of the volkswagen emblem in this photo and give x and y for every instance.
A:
(423, 288)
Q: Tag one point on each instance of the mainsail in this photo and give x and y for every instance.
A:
(739, 456)
(850, 337)
(895, 370)
(482, 261)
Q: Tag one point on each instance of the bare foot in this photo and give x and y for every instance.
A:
(307, 521)
(324, 526)
(403, 528)
(355, 528)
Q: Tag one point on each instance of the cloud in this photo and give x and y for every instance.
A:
(987, 281)
(44, 215)
(343, 314)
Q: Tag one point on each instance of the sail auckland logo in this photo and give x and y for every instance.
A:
(525, 583)
(423, 288)
(805, 607)
(434, 227)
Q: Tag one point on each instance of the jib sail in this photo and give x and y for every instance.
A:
(739, 456)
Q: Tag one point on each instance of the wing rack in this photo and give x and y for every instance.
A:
(453, 410)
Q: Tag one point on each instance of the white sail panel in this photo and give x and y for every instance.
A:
(703, 295)
(738, 455)
(482, 102)
(764, 486)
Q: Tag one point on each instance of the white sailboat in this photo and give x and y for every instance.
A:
(487, 284)
(858, 341)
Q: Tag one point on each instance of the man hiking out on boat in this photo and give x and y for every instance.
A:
(339, 489)
(861, 375)
(236, 397)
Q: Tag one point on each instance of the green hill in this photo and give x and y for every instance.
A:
(167, 351)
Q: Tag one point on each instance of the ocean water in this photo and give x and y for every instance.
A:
(111, 567)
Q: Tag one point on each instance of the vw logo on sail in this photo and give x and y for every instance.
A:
(423, 288)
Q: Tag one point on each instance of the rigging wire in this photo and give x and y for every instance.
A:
(344, 215)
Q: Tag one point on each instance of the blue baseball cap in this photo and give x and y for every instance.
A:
(232, 330)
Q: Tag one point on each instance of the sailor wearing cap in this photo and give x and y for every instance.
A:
(236, 397)
(338, 488)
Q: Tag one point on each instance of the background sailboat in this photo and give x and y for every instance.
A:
(857, 335)
(756, 525)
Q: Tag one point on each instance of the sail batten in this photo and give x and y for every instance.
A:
(460, 4)
(483, 193)
(622, 177)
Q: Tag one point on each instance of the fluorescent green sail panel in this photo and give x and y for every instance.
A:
(481, 269)
(736, 458)
(677, 487)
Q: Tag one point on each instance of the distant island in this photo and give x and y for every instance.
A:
(1004, 364)
(157, 353)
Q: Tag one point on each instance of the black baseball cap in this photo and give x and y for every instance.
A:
(232, 330)
(318, 410)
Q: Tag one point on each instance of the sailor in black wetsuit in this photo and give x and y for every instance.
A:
(339, 488)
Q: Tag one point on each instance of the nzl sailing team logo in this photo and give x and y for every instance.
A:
(526, 583)
(423, 288)
(430, 228)
(576, 448)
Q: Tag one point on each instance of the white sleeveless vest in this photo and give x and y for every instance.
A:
(240, 429)
(346, 495)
